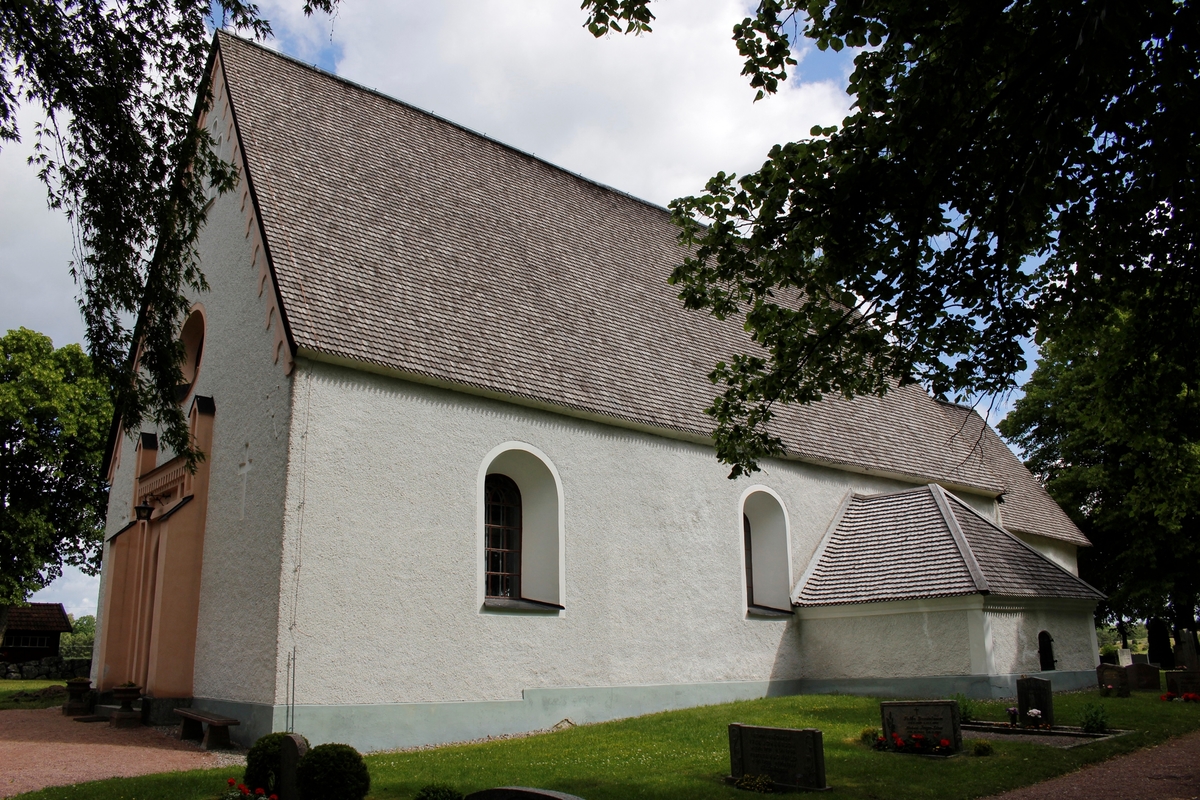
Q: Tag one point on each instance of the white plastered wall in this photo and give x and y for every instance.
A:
(381, 557)
(1062, 553)
(1015, 626)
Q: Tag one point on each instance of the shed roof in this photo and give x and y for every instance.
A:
(49, 617)
(925, 543)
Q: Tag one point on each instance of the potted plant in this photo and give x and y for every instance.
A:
(126, 716)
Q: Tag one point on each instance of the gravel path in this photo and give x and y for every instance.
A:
(40, 748)
(1170, 771)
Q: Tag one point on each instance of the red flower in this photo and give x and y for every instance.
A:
(259, 792)
(232, 781)
(245, 791)
(945, 742)
(273, 797)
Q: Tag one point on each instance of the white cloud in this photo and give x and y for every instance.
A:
(77, 592)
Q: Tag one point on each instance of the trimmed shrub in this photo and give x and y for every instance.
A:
(1094, 718)
(438, 791)
(333, 772)
(262, 763)
(982, 747)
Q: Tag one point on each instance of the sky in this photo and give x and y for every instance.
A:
(653, 115)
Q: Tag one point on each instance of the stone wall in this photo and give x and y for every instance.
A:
(53, 668)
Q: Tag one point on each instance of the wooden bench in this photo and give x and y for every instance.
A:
(214, 737)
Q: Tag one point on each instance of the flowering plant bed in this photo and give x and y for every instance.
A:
(917, 744)
(236, 791)
(1186, 697)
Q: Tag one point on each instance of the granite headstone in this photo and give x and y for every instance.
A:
(1124, 657)
(1141, 658)
(1185, 651)
(291, 749)
(936, 720)
(793, 758)
(1143, 677)
(1035, 693)
(1110, 675)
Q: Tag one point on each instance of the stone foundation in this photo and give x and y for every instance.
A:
(51, 668)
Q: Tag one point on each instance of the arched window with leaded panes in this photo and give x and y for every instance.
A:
(502, 537)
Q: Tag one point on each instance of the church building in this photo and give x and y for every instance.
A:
(459, 480)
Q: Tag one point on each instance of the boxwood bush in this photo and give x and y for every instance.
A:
(333, 772)
(262, 763)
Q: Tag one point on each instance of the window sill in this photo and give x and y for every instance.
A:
(508, 604)
(768, 613)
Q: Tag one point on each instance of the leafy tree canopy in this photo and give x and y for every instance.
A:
(54, 417)
(1110, 421)
(1006, 168)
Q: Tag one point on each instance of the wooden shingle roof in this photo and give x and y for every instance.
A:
(925, 543)
(399, 240)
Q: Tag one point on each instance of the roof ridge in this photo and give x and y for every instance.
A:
(960, 538)
(1025, 545)
(221, 32)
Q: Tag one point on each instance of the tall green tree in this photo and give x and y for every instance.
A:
(54, 417)
(1006, 167)
(1113, 428)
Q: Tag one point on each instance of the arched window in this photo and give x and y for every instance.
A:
(767, 556)
(192, 337)
(521, 532)
(1046, 650)
(502, 536)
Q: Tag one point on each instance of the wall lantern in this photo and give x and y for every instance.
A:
(143, 511)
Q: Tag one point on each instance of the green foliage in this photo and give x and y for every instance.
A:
(54, 417)
(868, 736)
(438, 791)
(333, 772)
(968, 709)
(756, 783)
(982, 747)
(1005, 168)
(263, 762)
(1110, 421)
(1094, 718)
(78, 643)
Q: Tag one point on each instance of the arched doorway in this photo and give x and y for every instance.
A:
(1046, 650)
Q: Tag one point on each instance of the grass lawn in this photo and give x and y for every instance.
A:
(10, 688)
(683, 755)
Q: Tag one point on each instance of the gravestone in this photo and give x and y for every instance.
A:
(936, 720)
(1141, 658)
(1185, 651)
(291, 750)
(1158, 642)
(1035, 693)
(1111, 675)
(520, 793)
(1143, 677)
(793, 758)
(1124, 657)
(1182, 681)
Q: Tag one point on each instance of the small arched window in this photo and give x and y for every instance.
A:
(1046, 650)
(192, 337)
(765, 548)
(502, 536)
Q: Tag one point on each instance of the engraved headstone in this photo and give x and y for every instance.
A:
(291, 750)
(1035, 693)
(1182, 681)
(1141, 658)
(1185, 651)
(793, 758)
(1143, 677)
(933, 720)
(1124, 657)
(1111, 677)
